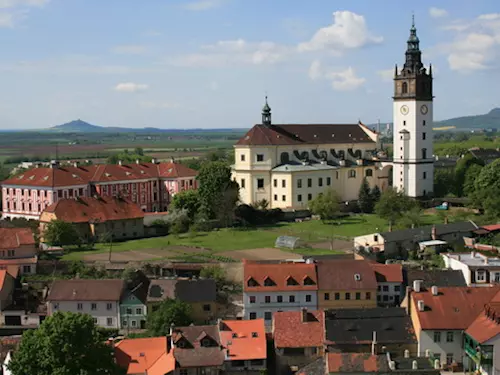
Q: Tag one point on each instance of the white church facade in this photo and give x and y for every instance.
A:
(288, 165)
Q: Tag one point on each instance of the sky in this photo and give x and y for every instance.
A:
(210, 63)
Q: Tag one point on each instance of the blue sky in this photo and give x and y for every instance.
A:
(209, 63)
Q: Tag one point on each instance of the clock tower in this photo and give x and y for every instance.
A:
(413, 163)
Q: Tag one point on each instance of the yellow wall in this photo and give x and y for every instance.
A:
(414, 317)
(343, 303)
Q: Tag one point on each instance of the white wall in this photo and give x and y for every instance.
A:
(440, 349)
(495, 341)
(455, 264)
(101, 313)
(391, 293)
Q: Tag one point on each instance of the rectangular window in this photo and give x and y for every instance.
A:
(437, 336)
(260, 157)
(423, 136)
(95, 320)
(385, 288)
(291, 299)
(70, 192)
(138, 311)
(242, 157)
(423, 122)
(252, 299)
(497, 277)
(299, 183)
(358, 295)
(337, 296)
(275, 197)
(59, 194)
(79, 306)
(309, 182)
(449, 358)
(283, 183)
(253, 316)
(309, 197)
(348, 296)
(268, 315)
(328, 181)
(275, 182)
(94, 306)
(320, 181)
(397, 288)
(260, 183)
(129, 311)
(279, 299)
(449, 336)
(480, 276)
(109, 321)
(308, 298)
(26, 269)
(327, 296)
(385, 298)
(242, 183)
(109, 306)
(184, 371)
(207, 307)
(267, 299)
(368, 295)
(424, 175)
(299, 198)
(283, 198)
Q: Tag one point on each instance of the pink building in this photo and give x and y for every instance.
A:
(150, 185)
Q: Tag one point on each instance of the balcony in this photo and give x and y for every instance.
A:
(481, 355)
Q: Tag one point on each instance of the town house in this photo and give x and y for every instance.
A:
(98, 298)
(278, 286)
(17, 249)
(390, 291)
(478, 269)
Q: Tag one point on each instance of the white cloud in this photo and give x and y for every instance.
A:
(129, 50)
(15, 10)
(386, 75)
(214, 86)
(348, 31)
(437, 12)
(22, 3)
(159, 105)
(341, 80)
(315, 70)
(7, 20)
(201, 5)
(131, 87)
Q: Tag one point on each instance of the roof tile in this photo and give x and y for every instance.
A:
(297, 329)
(341, 275)
(86, 290)
(12, 238)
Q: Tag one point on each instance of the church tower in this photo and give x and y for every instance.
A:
(413, 169)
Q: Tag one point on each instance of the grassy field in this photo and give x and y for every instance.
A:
(456, 148)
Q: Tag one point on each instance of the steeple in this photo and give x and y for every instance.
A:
(266, 114)
(413, 62)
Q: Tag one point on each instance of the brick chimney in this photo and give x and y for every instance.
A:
(303, 315)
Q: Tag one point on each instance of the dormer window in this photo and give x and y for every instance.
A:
(269, 282)
(251, 282)
(206, 343)
(254, 334)
(234, 335)
(357, 277)
(308, 281)
(291, 281)
(181, 344)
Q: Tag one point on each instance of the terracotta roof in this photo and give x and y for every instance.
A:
(193, 353)
(53, 177)
(292, 331)
(298, 134)
(487, 324)
(86, 290)
(174, 170)
(12, 238)
(453, 307)
(346, 274)
(3, 276)
(492, 227)
(243, 339)
(145, 355)
(388, 273)
(125, 172)
(101, 209)
(279, 276)
(356, 362)
(16, 261)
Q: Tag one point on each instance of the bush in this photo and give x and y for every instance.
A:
(249, 215)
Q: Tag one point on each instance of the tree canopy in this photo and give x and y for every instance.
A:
(393, 205)
(487, 189)
(169, 312)
(365, 198)
(61, 233)
(326, 205)
(65, 344)
(188, 200)
(461, 171)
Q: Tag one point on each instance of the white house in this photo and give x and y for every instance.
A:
(98, 298)
(478, 269)
(278, 286)
(390, 290)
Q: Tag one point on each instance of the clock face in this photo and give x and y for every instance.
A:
(405, 110)
(424, 109)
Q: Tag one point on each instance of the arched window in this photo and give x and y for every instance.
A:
(404, 88)
(424, 153)
(369, 173)
(352, 173)
(285, 158)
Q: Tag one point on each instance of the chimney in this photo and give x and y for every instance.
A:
(472, 254)
(434, 290)
(414, 365)
(137, 161)
(446, 219)
(434, 233)
(342, 163)
(459, 257)
(392, 365)
(485, 260)
(374, 343)
(154, 161)
(427, 353)
(303, 317)
(437, 364)
(421, 306)
(417, 285)
(407, 353)
(172, 160)
(75, 164)
(120, 162)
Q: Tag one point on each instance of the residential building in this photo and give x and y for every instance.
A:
(440, 315)
(346, 283)
(270, 287)
(17, 248)
(437, 277)
(393, 242)
(98, 298)
(298, 338)
(200, 294)
(7, 284)
(133, 307)
(377, 330)
(390, 290)
(96, 218)
(478, 269)
(487, 155)
(149, 185)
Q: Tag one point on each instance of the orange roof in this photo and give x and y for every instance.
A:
(174, 170)
(85, 209)
(143, 355)
(388, 273)
(125, 172)
(279, 276)
(453, 307)
(3, 275)
(487, 324)
(11, 238)
(244, 339)
(292, 331)
(53, 177)
(353, 362)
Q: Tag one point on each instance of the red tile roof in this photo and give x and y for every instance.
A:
(71, 175)
(279, 276)
(86, 290)
(487, 324)
(388, 273)
(12, 238)
(145, 355)
(453, 307)
(355, 362)
(492, 227)
(290, 330)
(244, 339)
(297, 134)
(102, 209)
(341, 275)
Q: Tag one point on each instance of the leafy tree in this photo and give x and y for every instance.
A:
(65, 344)
(139, 151)
(365, 199)
(375, 193)
(178, 222)
(393, 205)
(444, 182)
(471, 176)
(412, 218)
(326, 205)
(215, 182)
(487, 189)
(188, 200)
(169, 312)
(214, 272)
(61, 233)
(461, 170)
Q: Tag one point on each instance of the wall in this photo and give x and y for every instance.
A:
(495, 342)
(101, 313)
(455, 264)
(374, 240)
(343, 303)
(6, 291)
(138, 314)
(440, 349)
(119, 229)
(392, 296)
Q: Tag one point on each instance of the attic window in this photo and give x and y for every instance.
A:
(357, 277)
(46, 178)
(291, 281)
(142, 172)
(252, 282)
(315, 136)
(107, 174)
(181, 344)
(247, 137)
(128, 173)
(235, 335)
(308, 281)
(32, 177)
(254, 334)
(170, 170)
(21, 176)
(333, 135)
(74, 176)
(269, 282)
(206, 342)
(350, 135)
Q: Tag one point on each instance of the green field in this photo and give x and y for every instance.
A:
(456, 148)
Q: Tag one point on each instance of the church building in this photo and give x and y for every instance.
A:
(288, 165)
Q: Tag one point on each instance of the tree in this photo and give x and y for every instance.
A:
(393, 205)
(216, 273)
(412, 218)
(486, 194)
(169, 312)
(64, 344)
(215, 181)
(461, 169)
(326, 205)
(139, 151)
(365, 199)
(188, 200)
(375, 193)
(444, 182)
(61, 233)
(471, 175)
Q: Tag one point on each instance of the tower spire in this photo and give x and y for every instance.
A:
(266, 114)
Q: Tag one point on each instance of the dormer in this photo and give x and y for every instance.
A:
(357, 277)
(290, 281)
(251, 282)
(308, 281)
(183, 343)
(269, 282)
